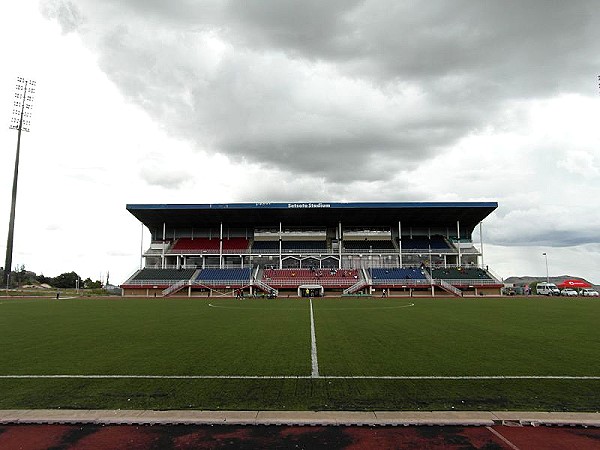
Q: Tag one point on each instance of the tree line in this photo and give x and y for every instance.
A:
(20, 277)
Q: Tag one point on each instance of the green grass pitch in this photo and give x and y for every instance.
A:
(173, 343)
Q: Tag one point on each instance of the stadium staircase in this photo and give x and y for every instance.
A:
(448, 287)
(175, 287)
(265, 287)
(258, 283)
(179, 285)
(442, 284)
(365, 274)
(428, 276)
(132, 276)
(362, 283)
(493, 275)
(258, 273)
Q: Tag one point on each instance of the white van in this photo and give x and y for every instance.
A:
(547, 289)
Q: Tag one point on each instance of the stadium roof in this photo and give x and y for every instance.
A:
(313, 213)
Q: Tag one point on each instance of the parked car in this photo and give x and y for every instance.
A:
(508, 291)
(568, 292)
(547, 289)
(589, 292)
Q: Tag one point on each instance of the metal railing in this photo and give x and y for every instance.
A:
(174, 287)
(265, 287)
(198, 266)
(313, 251)
(471, 282)
(360, 284)
(152, 282)
(201, 251)
(297, 281)
(405, 282)
(220, 283)
(153, 252)
(448, 287)
(493, 274)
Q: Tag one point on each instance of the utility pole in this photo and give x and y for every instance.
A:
(20, 121)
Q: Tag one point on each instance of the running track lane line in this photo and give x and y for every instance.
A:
(506, 441)
(313, 345)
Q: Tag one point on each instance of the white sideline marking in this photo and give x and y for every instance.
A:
(159, 377)
(328, 377)
(461, 377)
(506, 441)
(313, 344)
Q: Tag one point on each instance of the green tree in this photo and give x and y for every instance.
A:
(43, 279)
(66, 280)
(89, 284)
(23, 276)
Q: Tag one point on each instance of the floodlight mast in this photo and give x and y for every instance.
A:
(20, 121)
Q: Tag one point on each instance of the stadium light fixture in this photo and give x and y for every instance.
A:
(20, 121)
(545, 255)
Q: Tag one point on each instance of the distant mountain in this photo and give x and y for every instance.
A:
(556, 280)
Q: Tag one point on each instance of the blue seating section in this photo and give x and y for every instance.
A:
(397, 274)
(224, 274)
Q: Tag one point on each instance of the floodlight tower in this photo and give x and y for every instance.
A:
(20, 121)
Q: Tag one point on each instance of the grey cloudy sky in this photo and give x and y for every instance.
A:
(222, 101)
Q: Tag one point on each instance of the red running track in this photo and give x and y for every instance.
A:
(131, 437)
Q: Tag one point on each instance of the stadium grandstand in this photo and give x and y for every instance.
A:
(312, 249)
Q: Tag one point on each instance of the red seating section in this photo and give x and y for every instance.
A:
(324, 277)
(235, 244)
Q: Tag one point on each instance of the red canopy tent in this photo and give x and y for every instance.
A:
(574, 284)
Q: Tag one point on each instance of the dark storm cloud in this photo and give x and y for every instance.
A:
(332, 88)
(520, 45)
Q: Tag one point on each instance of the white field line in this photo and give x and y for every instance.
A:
(157, 377)
(283, 377)
(506, 441)
(313, 344)
(460, 377)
